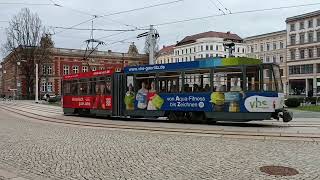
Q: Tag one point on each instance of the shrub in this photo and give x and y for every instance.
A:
(292, 102)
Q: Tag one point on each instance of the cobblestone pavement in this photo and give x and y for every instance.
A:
(36, 150)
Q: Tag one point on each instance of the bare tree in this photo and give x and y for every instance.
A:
(28, 43)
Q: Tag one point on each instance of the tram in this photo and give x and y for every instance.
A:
(211, 89)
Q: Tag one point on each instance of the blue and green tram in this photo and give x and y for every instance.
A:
(214, 89)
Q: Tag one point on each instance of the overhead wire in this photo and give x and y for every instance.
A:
(227, 9)
(215, 5)
(97, 29)
(31, 4)
(116, 13)
(234, 13)
(142, 8)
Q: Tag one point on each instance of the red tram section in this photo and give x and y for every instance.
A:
(87, 92)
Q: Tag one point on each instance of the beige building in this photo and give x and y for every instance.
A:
(303, 54)
(270, 48)
(207, 44)
(165, 55)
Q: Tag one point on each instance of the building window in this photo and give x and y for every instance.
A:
(268, 59)
(301, 25)
(201, 56)
(281, 45)
(301, 69)
(84, 68)
(318, 22)
(194, 58)
(44, 69)
(201, 48)
(49, 70)
(75, 69)
(261, 47)
(182, 51)
(310, 53)
(49, 87)
(274, 45)
(302, 37)
(65, 70)
(243, 50)
(318, 68)
(217, 47)
(318, 51)
(207, 55)
(318, 36)
(310, 37)
(274, 58)
(43, 87)
(293, 39)
(292, 27)
(256, 47)
(211, 47)
(268, 47)
(293, 54)
(207, 48)
(94, 68)
(190, 50)
(310, 23)
(302, 54)
(102, 68)
(194, 49)
(281, 59)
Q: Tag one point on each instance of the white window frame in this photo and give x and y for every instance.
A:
(66, 70)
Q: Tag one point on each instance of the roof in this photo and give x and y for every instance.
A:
(89, 74)
(198, 64)
(193, 38)
(303, 16)
(166, 50)
(266, 35)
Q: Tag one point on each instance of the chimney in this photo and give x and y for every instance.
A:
(109, 51)
(228, 32)
(164, 46)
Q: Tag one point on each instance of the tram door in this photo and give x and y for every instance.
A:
(118, 92)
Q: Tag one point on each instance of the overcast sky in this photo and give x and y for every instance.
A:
(244, 25)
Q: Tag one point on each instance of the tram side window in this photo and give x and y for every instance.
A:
(253, 78)
(269, 83)
(145, 83)
(74, 88)
(108, 85)
(103, 86)
(92, 86)
(197, 81)
(228, 79)
(83, 87)
(170, 82)
(66, 87)
(277, 78)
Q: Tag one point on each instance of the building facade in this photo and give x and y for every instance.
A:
(303, 53)
(63, 62)
(207, 44)
(270, 48)
(165, 55)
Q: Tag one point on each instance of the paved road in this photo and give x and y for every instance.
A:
(36, 150)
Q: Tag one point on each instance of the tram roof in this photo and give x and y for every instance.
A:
(89, 74)
(197, 64)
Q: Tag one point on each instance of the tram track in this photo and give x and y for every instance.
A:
(296, 124)
(186, 131)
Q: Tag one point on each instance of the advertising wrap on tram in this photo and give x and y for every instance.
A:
(207, 102)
